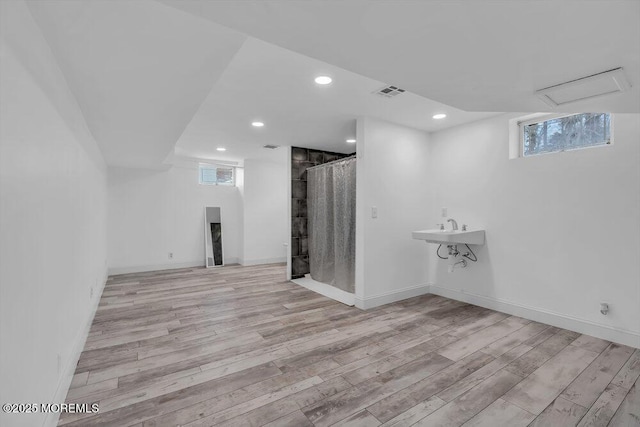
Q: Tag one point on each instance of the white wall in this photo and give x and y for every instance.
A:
(266, 210)
(52, 222)
(563, 230)
(392, 176)
(153, 213)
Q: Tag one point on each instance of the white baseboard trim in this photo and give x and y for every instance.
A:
(250, 262)
(326, 290)
(229, 261)
(157, 267)
(548, 317)
(51, 419)
(389, 297)
(114, 271)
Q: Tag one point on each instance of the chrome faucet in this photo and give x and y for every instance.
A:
(454, 224)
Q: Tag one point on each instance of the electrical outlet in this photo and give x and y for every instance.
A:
(374, 212)
(444, 212)
(91, 293)
(170, 255)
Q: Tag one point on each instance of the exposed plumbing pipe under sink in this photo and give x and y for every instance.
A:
(453, 261)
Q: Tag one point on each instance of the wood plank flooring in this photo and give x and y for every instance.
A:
(241, 346)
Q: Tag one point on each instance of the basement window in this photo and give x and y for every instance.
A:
(216, 175)
(556, 133)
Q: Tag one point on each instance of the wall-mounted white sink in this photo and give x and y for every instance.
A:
(449, 237)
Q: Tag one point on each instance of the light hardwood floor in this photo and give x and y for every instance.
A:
(241, 346)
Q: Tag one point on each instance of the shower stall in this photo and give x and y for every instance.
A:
(331, 193)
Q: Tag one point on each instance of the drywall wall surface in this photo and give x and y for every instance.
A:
(52, 222)
(156, 219)
(392, 184)
(562, 229)
(265, 210)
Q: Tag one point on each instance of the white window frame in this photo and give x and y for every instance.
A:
(216, 166)
(543, 117)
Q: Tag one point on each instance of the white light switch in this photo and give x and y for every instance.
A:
(374, 212)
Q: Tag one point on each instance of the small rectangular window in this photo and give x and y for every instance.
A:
(216, 175)
(563, 133)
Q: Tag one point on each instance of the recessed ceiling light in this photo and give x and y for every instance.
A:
(323, 80)
(257, 124)
(351, 141)
(439, 116)
(221, 149)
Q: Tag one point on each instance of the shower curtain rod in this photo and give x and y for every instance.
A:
(344, 159)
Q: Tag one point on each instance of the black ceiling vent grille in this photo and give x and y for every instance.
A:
(389, 91)
(271, 147)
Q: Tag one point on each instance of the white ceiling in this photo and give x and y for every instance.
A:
(153, 75)
(276, 86)
(139, 70)
(477, 55)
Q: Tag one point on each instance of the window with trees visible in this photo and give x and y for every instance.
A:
(552, 134)
(216, 175)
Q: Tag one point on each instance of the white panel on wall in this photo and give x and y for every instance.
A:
(562, 229)
(266, 210)
(53, 222)
(391, 176)
(153, 214)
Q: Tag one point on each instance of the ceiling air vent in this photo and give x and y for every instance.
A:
(388, 91)
(271, 147)
(605, 83)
